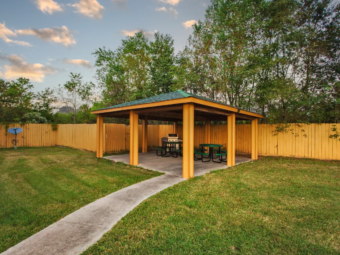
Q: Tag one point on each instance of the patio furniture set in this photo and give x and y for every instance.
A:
(174, 149)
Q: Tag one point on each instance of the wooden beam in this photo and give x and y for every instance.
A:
(171, 116)
(148, 105)
(100, 136)
(207, 131)
(145, 135)
(123, 114)
(133, 138)
(188, 141)
(161, 109)
(175, 128)
(254, 139)
(211, 110)
(244, 117)
(151, 117)
(225, 107)
(231, 140)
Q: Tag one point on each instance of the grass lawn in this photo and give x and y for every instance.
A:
(271, 206)
(39, 186)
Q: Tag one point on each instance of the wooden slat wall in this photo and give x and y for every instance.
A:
(79, 136)
(300, 140)
(155, 133)
(33, 135)
(115, 137)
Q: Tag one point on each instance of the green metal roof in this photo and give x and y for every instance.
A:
(163, 97)
(159, 98)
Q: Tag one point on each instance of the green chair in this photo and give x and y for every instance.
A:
(221, 156)
(161, 151)
(202, 155)
(177, 152)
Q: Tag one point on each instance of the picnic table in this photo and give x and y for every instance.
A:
(173, 150)
(211, 147)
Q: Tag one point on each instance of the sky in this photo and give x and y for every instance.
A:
(45, 40)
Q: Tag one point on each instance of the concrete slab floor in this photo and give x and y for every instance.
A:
(171, 165)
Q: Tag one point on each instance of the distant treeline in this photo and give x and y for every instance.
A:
(277, 57)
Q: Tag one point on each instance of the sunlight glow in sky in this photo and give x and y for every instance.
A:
(45, 40)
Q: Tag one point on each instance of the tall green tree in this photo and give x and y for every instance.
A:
(139, 68)
(162, 64)
(44, 103)
(278, 57)
(15, 99)
(77, 93)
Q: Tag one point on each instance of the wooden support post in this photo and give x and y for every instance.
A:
(254, 139)
(175, 129)
(100, 136)
(133, 138)
(145, 135)
(231, 140)
(188, 141)
(207, 131)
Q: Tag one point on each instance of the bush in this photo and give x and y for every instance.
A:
(33, 117)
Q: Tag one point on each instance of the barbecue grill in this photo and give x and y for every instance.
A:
(171, 138)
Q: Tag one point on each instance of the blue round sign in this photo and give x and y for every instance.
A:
(15, 130)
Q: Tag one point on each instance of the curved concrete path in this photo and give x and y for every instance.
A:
(81, 229)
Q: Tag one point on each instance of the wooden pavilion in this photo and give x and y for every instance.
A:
(178, 106)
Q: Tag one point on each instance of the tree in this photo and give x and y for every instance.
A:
(137, 69)
(77, 92)
(162, 64)
(279, 57)
(43, 103)
(84, 114)
(15, 99)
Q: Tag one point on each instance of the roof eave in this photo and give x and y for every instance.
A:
(147, 105)
(179, 101)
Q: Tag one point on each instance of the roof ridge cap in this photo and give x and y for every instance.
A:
(183, 93)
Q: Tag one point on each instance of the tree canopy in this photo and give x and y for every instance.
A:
(279, 58)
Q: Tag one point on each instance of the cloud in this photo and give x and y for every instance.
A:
(1, 74)
(57, 34)
(172, 2)
(89, 8)
(170, 10)
(120, 3)
(189, 23)
(79, 62)
(5, 33)
(19, 68)
(148, 34)
(48, 6)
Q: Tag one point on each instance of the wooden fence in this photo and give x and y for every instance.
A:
(33, 135)
(308, 141)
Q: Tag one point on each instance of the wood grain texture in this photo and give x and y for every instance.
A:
(299, 140)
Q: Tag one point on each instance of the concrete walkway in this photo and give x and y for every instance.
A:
(81, 229)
